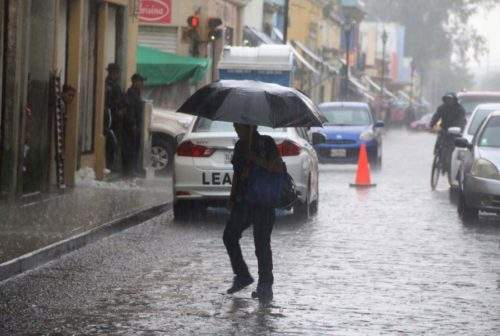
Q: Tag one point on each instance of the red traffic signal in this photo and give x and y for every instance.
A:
(193, 21)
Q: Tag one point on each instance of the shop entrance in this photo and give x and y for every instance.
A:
(35, 146)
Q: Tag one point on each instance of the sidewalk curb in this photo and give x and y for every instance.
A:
(48, 253)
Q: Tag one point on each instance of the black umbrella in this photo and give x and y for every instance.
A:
(253, 103)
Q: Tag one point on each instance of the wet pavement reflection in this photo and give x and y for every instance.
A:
(395, 259)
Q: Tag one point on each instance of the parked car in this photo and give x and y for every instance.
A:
(203, 171)
(349, 125)
(166, 126)
(470, 99)
(480, 113)
(397, 112)
(479, 174)
(422, 124)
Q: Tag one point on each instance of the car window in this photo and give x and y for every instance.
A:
(490, 137)
(302, 133)
(470, 103)
(477, 120)
(346, 115)
(203, 125)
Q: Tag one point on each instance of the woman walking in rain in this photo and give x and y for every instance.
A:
(251, 151)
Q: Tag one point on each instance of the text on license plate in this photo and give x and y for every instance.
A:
(216, 178)
(338, 153)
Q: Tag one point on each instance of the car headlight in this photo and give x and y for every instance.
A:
(485, 169)
(367, 135)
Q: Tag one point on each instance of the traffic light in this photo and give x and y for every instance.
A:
(214, 33)
(193, 21)
(193, 35)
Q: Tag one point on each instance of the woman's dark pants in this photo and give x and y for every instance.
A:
(262, 219)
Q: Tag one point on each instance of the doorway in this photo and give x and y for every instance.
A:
(35, 143)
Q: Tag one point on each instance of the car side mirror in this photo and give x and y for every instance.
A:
(379, 124)
(462, 143)
(318, 139)
(454, 130)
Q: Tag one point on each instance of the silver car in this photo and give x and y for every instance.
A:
(480, 113)
(479, 176)
(203, 171)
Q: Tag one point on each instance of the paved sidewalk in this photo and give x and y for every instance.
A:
(26, 227)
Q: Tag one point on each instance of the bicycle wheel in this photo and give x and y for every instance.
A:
(436, 171)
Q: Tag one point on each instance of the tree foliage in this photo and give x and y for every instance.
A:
(490, 82)
(436, 30)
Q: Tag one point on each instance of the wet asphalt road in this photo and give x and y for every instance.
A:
(392, 260)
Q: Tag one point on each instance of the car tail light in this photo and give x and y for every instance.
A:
(288, 148)
(182, 193)
(188, 148)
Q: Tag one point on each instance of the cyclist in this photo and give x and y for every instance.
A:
(451, 114)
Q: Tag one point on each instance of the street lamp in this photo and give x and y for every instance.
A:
(348, 27)
(384, 42)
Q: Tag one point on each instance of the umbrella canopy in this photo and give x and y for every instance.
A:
(253, 103)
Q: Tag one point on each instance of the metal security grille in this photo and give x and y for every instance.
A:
(162, 38)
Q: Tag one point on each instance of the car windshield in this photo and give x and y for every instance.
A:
(206, 125)
(346, 115)
(470, 103)
(477, 120)
(491, 134)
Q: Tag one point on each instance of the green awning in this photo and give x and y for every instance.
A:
(163, 68)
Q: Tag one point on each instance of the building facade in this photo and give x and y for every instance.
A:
(314, 30)
(168, 32)
(73, 40)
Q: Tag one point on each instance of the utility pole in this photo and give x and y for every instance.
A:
(412, 73)
(286, 9)
(347, 32)
(384, 42)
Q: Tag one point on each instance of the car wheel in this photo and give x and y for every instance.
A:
(185, 210)
(314, 204)
(302, 210)
(465, 211)
(376, 163)
(182, 209)
(313, 207)
(162, 154)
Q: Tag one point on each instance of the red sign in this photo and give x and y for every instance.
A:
(155, 11)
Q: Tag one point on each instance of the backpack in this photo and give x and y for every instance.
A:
(268, 189)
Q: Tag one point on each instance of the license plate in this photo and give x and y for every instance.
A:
(338, 153)
(216, 178)
(228, 156)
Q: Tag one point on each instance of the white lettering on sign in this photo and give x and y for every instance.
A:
(155, 11)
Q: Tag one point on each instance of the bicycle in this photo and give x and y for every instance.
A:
(441, 164)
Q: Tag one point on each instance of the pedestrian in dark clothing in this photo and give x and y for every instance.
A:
(113, 118)
(132, 125)
(252, 149)
(451, 113)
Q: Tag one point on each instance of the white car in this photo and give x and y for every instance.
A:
(203, 171)
(166, 126)
(480, 113)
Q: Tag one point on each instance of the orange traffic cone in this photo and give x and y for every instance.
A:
(363, 179)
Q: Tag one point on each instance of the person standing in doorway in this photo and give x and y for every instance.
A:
(113, 116)
(132, 125)
(251, 150)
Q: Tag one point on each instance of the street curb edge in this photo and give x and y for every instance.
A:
(48, 253)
